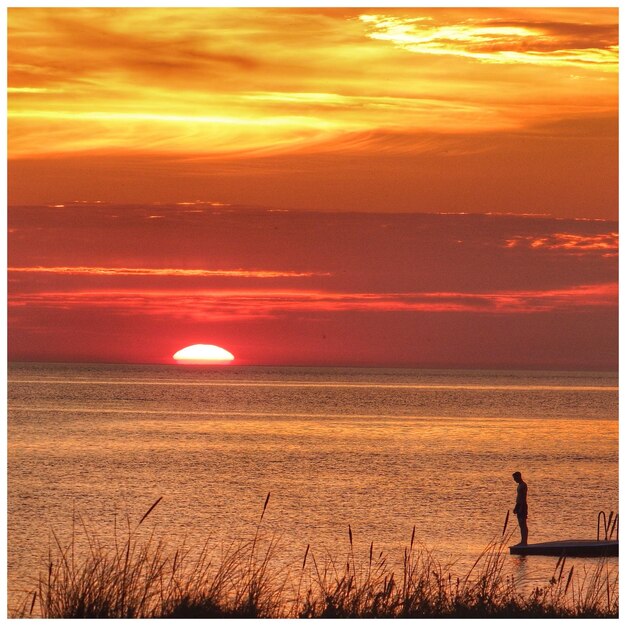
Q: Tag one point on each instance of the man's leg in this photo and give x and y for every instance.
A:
(523, 527)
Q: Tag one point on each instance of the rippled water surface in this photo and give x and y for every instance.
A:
(381, 450)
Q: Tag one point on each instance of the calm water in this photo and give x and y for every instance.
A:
(381, 450)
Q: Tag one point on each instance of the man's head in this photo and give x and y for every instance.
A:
(517, 477)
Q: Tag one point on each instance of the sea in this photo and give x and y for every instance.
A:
(374, 453)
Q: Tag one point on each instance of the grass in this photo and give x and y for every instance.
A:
(140, 577)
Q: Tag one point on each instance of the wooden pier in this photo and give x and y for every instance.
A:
(569, 547)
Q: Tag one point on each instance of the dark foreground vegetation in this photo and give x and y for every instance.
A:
(142, 578)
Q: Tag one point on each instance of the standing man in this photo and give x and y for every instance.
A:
(521, 507)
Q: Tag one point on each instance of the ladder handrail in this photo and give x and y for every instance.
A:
(601, 514)
(610, 526)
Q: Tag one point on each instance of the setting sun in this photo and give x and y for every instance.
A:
(203, 353)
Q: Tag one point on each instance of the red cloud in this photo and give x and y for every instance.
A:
(229, 304)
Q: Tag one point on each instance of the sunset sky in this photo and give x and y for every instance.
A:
(426, 187)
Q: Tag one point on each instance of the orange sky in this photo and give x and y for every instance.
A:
(325, 109)
(415, 187)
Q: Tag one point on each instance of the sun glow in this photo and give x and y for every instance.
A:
(203, 353)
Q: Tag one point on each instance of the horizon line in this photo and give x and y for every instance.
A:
(230, 365)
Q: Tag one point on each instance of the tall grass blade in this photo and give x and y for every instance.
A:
(145, 515)
(265, 505)
(569, 579)
(32, 604)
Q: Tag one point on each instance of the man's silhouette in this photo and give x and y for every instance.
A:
(521, 507)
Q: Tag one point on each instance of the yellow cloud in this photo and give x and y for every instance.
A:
(496, 41)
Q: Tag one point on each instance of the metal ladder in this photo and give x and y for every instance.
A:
(610, 526)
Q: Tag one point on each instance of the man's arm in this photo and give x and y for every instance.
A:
(520, 501)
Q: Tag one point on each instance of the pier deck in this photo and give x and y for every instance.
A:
(569, 547)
